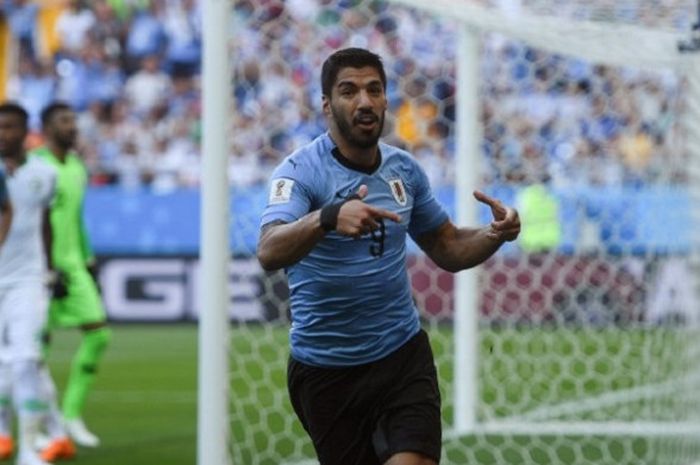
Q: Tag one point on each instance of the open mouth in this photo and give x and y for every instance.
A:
(366, 121)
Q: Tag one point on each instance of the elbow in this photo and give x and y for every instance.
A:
(450, 266)
(263, 254)
(267, 260)
(268, 266)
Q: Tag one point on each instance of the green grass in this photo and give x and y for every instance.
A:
(144, 402)
(520, 370)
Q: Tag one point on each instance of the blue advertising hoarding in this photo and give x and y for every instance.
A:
(635, 220)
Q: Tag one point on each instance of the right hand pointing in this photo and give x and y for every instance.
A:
(357, 218)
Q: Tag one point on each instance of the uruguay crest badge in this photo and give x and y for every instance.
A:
(398, 191)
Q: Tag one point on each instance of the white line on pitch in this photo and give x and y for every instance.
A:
(606, 399)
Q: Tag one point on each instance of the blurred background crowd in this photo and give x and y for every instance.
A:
(131, 68)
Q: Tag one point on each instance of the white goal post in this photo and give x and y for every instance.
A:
(213, 422)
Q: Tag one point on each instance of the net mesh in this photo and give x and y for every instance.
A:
(588, 324)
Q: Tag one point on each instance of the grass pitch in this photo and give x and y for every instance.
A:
(144, 401)
(522, 370)
(143, 405)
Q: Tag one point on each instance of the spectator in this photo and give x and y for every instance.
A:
(147, 87)
(583, 123)
(183, 28)
(109, 32)
(146, 36)
(73, 26)
(21, 16)
(34, 86)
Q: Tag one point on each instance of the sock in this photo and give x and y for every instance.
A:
(29, 426)
(5, 399)
(83, 370)
(29, 402)
(53, 419)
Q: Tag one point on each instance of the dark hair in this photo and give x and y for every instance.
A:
(349, 58)
(53, 108)
(12, 108)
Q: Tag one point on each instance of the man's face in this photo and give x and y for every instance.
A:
(63, 129)
(12, 134)
(357, 105)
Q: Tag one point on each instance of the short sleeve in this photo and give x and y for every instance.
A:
(290, 193)
(427, 214)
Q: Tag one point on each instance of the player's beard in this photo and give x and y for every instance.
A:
(12, 149)
(12, 145)
(353, 134)
(65, 140)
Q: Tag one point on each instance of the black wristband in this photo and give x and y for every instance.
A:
(329, 213)
(329, 216)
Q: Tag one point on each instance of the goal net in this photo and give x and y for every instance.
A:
(579, 342)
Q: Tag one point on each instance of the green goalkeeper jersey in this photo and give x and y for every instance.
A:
(70, 246)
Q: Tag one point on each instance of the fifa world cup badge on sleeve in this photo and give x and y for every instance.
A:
(281, 191)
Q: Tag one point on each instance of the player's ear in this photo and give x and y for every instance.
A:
(326, 105)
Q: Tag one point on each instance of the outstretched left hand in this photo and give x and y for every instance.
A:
(506, 222)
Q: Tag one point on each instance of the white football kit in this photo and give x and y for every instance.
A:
(23, 293)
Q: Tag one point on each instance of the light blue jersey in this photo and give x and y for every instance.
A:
(350, 304)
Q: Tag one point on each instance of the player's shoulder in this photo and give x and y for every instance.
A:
(397, 162)
(307, 159)
(41, 167)
(314, 151)
(393, 156)
(40, 164)
(44, 154)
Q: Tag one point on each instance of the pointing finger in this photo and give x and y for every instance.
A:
(378, 212)
(483, 198)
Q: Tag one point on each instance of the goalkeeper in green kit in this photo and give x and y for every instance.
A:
(76, 303)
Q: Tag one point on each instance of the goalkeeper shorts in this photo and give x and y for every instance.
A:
(363, 415)
(82, 305)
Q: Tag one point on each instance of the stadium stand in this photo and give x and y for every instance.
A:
(132, 70)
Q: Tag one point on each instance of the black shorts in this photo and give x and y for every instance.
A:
(362, 415)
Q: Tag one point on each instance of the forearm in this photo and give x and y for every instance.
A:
(455, 249)
(464, 248)
(282, 245)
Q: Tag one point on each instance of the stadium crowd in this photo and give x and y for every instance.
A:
(132, 70)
